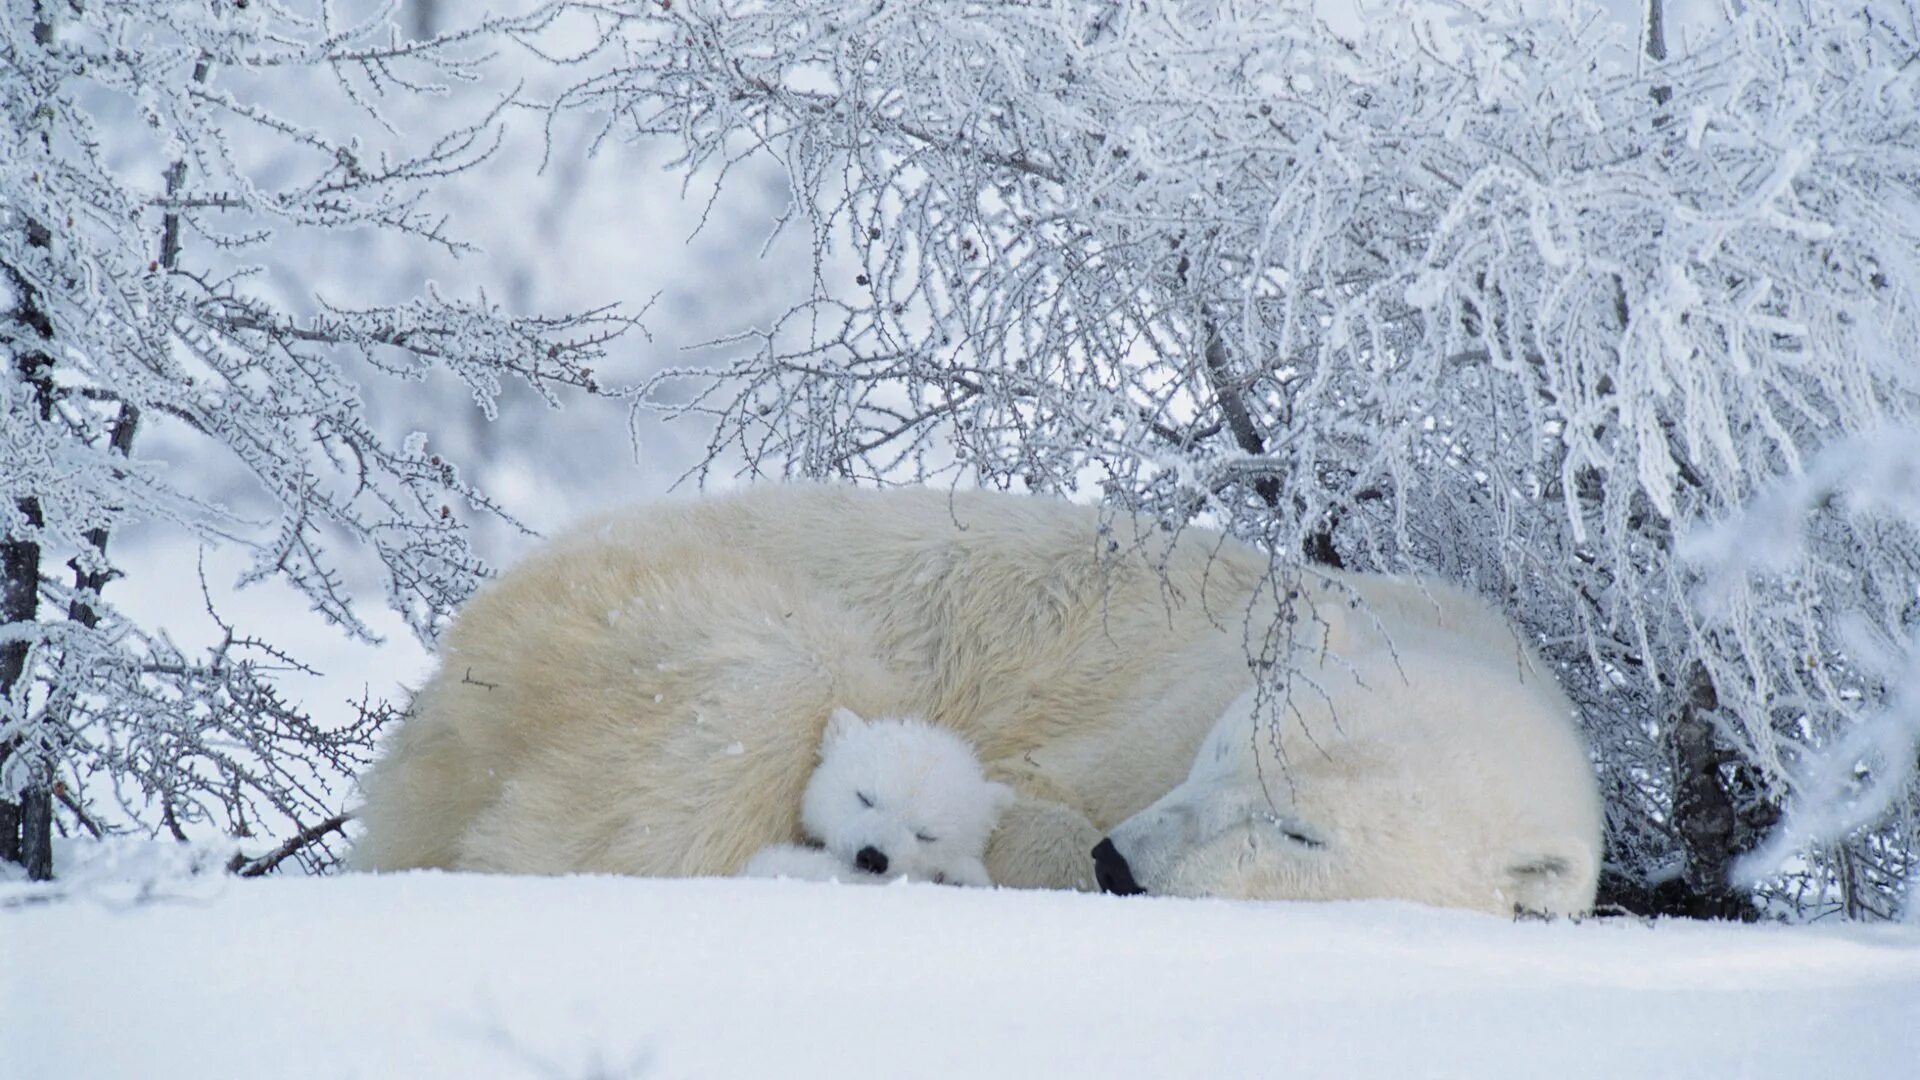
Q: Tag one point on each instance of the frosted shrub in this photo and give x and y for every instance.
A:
(135, 216)
(1492, 294)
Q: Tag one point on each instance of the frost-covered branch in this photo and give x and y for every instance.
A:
(157, 158)
(1484, 292)
(1851, 796)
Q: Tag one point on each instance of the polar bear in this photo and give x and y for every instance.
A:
(596, 671)
(890, 799)
(645, 695)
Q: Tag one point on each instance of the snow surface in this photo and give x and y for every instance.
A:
(138, 968)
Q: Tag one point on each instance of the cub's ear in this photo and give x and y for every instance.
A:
(1001, 796)
(842, 723)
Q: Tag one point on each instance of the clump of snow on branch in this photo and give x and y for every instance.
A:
(1858, 779)
(135, 220)
(1483, 293)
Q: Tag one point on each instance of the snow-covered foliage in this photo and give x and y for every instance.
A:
(1483, 291)
(157, 156)
(562, 221)
(1864, 775)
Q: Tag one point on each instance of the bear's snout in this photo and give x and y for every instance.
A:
(871, 859)
(1110, 869)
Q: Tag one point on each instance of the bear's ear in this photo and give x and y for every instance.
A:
(842, 723)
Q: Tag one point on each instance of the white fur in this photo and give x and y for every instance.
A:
(908, 794)
(1337, 789)
(906, 791)
(803, 863)
(1424, 746)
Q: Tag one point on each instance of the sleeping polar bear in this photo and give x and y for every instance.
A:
(645, 696)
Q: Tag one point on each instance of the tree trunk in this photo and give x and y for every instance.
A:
(1704, 813)
(26, 820)
(19, 599)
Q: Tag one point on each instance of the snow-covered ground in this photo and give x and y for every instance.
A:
(138, 971)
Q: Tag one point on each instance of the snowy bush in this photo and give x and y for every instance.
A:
(1505, 294)
(157, 155)
(1848, 785)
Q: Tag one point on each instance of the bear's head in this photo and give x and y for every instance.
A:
(1354, 778)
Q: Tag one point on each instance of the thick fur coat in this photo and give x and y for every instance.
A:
(646, 694)
(890, 799)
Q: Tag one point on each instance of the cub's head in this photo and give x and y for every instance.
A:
(902, 798)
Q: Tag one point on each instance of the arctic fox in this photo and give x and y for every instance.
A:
(891, 799)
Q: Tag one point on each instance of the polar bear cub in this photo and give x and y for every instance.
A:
(891, 799)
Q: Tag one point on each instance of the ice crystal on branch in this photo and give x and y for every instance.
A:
(153, 156)
(1480, 292)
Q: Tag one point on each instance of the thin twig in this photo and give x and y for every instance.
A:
(244, 867)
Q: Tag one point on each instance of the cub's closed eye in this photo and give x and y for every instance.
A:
(924, 838)
(865, 799)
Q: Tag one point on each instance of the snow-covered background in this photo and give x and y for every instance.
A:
(560, 219)
(142, 960)
(159, 974)
(561, 225)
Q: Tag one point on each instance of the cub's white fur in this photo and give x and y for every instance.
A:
(647, 695)
(891, 799)
(803, 863)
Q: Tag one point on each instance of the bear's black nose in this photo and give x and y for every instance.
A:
(874, 861)
(1110, 869)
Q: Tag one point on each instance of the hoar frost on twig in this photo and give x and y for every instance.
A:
(1844, 789)
(134, 207)
(1482, 293)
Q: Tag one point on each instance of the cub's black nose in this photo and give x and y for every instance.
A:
(874, 861)
(1110, 869)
